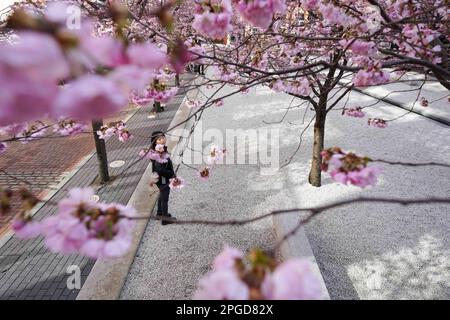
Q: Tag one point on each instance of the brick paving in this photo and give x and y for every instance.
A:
(27, 269)
(42, 164)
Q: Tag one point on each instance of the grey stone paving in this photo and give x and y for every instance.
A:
(27, 269)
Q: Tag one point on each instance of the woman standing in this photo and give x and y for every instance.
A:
(163, 167)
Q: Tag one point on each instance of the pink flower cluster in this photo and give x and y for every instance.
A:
(377, 123)
(298, 87)
(96, 230)
(373, 76)
(348, 168)
(176, 183)
(213, 19)
(30, 132)
(116, 128)
(32, 68)
(215, 155)
(424, 102)
(229, 279)
(224, 73)
(163, 96)
(3, 147)
(419, 43)
(205, 174)
(353, 112)
(278, 86)
(193, 104)
(360, 47)
(158, 156)
(259, 60)
(260, 12)
(67, 127)
(310, 4)
(156, 91)
(334, 15)
(24, 132)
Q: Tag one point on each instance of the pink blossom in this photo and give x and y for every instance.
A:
(354, 112)
(106, 240)
(36, 56)
(301, 87)
(339, 176)
(23, 99)
(334, 15)
(103, 51)
(195, 53)
(260, 12)
(335, 160)
(147, 55)
(70, 128)
(76, 198)
(310, 4)
(180, 56)
(34, 132)
(216, 154)
(163, 96)
(205, 173)
(156, 156)
(371, 77)
(423, 102)
(15, 129)
(57, 12)
(3, 147)
(227, 258)
(131, 78)
(144, 152)
(64, 233)
(222, 73)
(377, 123)
(364, 177)
(106, 132)
(124, 135)
(140, 100)
(244, 90)
(103, 249)
(292, 280)
(214, 24)
(219, 103)
(176, 183)
(26, 229)
(193, 104)
(360, 47)
(90, 97)
(223, 284)
(164, 75)
(279, 86)
(348, 168)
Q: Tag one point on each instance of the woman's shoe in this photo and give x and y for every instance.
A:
(169, 221)
(159, 215)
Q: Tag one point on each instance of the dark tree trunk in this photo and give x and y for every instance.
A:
(100, 147)
(315, 174)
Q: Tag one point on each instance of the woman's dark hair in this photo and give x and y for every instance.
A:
(155, 136)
